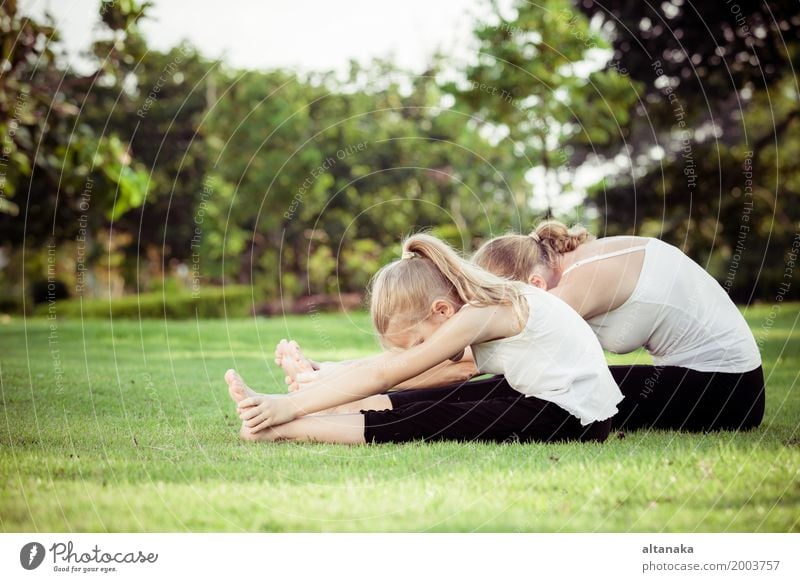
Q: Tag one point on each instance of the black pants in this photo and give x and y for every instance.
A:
(662, 397)
(484, 410)
(669, 397)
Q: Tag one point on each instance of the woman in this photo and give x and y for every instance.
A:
(641, 292)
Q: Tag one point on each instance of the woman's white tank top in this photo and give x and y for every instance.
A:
(556, 357)
(679, 314)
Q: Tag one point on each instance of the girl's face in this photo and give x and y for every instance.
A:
(402, 335)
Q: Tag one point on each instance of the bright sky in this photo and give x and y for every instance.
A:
(298, 34)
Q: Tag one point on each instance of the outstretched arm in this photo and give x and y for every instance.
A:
(443, 374)
(471, 325)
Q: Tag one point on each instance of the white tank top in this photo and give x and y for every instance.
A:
(679, 314)
(556, 357)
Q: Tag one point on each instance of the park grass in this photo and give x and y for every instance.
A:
(138, 434)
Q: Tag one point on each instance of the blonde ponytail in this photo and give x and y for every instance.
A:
(515, 256)
(429, 270)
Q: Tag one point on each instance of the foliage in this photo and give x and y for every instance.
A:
(711, 150)
(309, 175)
(51, 156)
(682, 119)
(537, 77)
(210, 303)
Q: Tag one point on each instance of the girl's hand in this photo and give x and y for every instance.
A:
(306, 379)
(263, 410)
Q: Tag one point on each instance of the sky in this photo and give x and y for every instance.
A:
(303, 35)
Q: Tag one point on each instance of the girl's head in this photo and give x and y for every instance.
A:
(412, 296)
(532, 258)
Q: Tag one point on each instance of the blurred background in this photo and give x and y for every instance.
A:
(228, 159)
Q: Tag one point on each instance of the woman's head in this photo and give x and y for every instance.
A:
(412, 296)
(532, 258)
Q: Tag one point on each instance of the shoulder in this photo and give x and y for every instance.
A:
(495, 321)
(582, 289)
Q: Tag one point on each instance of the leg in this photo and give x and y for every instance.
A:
(669, 397)
(376, 402)
(474, 390)
(471, 391)
(492, 419)
(343, 429)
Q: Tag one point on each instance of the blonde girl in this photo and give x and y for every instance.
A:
(641, 292)
(427, 308)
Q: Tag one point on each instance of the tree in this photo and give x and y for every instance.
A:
(316, 181)
(45, 194)
(712, 146)
(536, 79)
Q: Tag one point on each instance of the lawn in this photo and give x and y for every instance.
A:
(127, 426)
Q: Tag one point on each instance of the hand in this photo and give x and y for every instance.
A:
(263, 410)
(305, 379)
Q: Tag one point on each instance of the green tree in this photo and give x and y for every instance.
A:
(52, 160)
(537, 79)
(315, 180)
(712, 145)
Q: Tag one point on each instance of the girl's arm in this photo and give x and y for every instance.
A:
(471, 325)
(448, 372)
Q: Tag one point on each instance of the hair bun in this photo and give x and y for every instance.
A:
(558, 237)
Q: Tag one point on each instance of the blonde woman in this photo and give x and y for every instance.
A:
(638, 292)
(427, 308)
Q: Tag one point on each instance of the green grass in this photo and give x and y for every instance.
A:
(138, 434)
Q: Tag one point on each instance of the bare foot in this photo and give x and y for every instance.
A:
(270, 434)
(290, 358)
(246, 435)
(237, 389)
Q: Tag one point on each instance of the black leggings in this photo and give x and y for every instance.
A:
(484, 410)
(663, 397)
(670, 397)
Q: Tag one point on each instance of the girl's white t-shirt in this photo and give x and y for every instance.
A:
(556, 357)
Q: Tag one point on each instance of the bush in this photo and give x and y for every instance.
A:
(214, 302)
(12, 305)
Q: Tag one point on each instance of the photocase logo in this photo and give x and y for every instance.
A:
(31, 555)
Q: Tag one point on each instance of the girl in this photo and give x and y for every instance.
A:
(428, 307)
(641, 292)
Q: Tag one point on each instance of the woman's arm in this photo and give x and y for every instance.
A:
(471, 325)
(448, 372)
